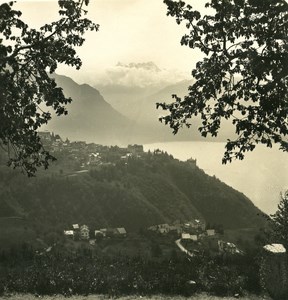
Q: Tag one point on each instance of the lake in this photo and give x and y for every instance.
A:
(261, 176)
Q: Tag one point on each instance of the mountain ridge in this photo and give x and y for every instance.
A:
(90, 117)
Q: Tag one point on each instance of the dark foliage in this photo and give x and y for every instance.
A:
(85, 272)
(151, 190)
(243, 77)
(27, 57)
(279, 222)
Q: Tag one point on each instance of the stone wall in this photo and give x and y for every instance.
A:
(274, 271)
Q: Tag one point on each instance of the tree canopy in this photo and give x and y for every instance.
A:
(280, 220)
(243, 76)
(27, 57)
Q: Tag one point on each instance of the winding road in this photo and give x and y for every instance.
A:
(183, 249)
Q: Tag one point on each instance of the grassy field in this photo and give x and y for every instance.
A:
(101, 297)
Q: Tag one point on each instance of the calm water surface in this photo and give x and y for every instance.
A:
(261, 176)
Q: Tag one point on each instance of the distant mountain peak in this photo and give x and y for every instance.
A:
(149, 66)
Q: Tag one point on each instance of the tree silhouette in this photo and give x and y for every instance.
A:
(280, 221)
(27, 56)
(243, 76)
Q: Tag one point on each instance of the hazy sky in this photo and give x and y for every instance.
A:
(130, 31)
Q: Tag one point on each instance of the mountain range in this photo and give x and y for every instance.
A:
(129, 117)
(91, 118)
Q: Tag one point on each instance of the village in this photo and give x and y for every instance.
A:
(88, 155)
(192, 236)
(82, 156)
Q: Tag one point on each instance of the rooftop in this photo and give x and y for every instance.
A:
(275, 248)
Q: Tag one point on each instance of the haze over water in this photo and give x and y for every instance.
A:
(261, 176)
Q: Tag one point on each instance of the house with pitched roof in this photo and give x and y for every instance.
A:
(84, 232)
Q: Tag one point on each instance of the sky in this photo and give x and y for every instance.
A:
(130, 31)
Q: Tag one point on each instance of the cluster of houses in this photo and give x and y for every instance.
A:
(195, 231)
(89, 154)
(83, 233)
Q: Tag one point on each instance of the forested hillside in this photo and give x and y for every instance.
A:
(135, 193)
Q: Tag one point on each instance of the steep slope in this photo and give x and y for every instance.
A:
(125, 84)
(126, 98)
(92, 119)
(89, 117)
(144, 111)
(217, 202)
(150, 190)
(139, 105)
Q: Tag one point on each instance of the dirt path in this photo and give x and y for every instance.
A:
(183, 249)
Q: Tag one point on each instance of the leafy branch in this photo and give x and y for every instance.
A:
(25, 63)
(242, 77)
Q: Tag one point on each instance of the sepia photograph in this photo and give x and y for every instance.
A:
(143, 149)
